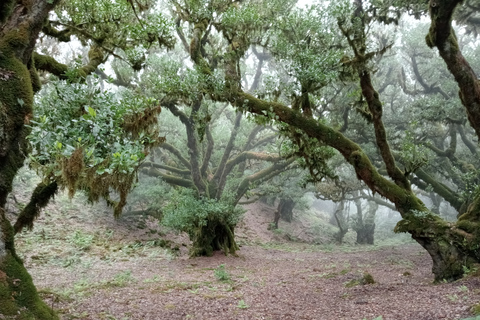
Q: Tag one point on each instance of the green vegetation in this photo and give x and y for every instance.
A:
(221, 274)
(346, 91)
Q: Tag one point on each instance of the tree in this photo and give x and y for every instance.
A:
(21, 23)
(213, 167)
(451, 246)
(19, 82)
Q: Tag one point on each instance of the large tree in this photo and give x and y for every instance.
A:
(96, 25)
(225, 158)
(452, 246)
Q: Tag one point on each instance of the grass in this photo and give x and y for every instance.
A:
(242, 305)
(221, 274)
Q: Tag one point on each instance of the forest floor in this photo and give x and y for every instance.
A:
(88, 265)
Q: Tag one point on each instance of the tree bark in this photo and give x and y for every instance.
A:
(285, 209)
(20, 24)
(214, 236)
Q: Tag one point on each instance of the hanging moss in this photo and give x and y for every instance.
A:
(40, 198)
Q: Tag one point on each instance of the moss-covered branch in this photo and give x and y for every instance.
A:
(172, 180)
(175, 170)
(442, 36)
(404, 200)
(208, 151)
(49, 64)
(441, 189)
(176, 153)
(221, 174)
(262, 175)
(60, 35)
(376, 109)
(41, 196)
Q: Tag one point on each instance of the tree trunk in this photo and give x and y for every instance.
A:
(216, 235)
(285, 209)
(340, 219)
(365, 235)
(18, 296)
(276, 218)
(365, 226)
(20, 24)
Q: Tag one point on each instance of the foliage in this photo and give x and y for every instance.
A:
(242, 305)
(81, 240)
(149, 195)
(117, 25)
(95, 140)
(186, 212)
(221, 274)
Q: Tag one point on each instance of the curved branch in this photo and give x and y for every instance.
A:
(172, 180)
(404, 200)
(176, 153)
(165, 167)
(445, 192)
(208, 152)
(41, 196)
(376, 109)
(262, 175)
(442, 36)
(49, 64)
(472, 147)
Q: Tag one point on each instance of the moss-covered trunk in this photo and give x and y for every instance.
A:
(18, 296)
(285, 208)
(20, 24)
(454, 247)
(366, 234)
(365, 224)
(214, 236)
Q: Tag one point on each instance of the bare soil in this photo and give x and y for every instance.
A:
(89, 266)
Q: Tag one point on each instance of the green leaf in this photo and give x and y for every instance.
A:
(92, 112)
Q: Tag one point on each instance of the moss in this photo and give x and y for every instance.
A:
(214, 236)
(49, 64)
(476, 309)
(367, 279)
(16, 99)
(41, 196)
(6, 8)
(468, 226)
(18, 295)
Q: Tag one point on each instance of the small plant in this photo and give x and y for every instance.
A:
(453, 297)
(467, 271)
(80, 240)
(242, 305)
(476, 310)
(463, 288)
(221, 274)
(121, 279)
(367, 279)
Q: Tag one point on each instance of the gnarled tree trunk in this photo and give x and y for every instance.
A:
(216, 235)
(20, 24)
(285, 208)
(18, 296)
(365, 224)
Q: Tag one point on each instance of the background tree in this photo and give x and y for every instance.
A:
(225, 158)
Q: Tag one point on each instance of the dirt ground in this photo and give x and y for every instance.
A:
(89, 266)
